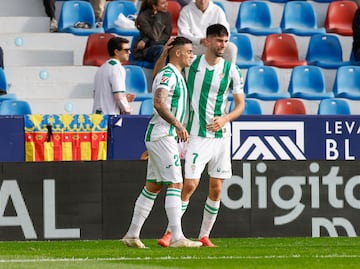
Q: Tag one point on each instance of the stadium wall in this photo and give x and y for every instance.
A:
(95, 199)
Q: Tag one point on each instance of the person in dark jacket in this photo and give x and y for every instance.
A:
(356, 34)
(154, 24)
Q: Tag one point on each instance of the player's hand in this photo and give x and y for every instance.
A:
(130, 97)
(217, 124)
(182, 134)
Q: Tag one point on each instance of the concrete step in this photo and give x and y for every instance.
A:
(27, 48)
(24, 24)
(22, 8)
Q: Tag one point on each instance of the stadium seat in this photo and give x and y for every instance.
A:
(96, 52)
(339, 17)
(299, 18)
(281, 50)
(324, 50)
(245, 55)
(254, 17)
(15, 107)
(3, 81)
(174, 9)
(136, 82)
(252, 107)
(262, 82)
(334, 106)
(146, 107)
(73, 12)
(111, 13)
(347, 82)
(289, 106)
(308, 82)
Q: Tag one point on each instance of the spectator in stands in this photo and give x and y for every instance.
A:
(193, 21)
(99, 7)
(1, 58)
(154, 24)
(356, 33)
(50, 12)
(110, 91)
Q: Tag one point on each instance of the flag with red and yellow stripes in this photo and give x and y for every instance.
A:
(65, 137)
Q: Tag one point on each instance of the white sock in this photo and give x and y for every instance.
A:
(173, 212)
(211, 210)
(184, 205)
(143, 206)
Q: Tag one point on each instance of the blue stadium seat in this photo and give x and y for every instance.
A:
(324, 50)
(334, 106)
(136, 82)
(146, 107)
(245, 55)
(299, 18)
(347, 82)
(73, 12)
(14, 107)
(262, 82)
(252, 107)
(308, 82)
(111, 13)
(254, 17)
(3, 81)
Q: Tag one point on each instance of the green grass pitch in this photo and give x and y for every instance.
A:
(277, 253)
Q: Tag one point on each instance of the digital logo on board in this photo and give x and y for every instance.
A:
(268, 140)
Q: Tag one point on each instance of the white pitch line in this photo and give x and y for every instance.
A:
(177, 258)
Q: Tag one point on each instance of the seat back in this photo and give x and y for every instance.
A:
(135, 79)
(252, 107)
(289, 106)
(254, 14)
(96, 51)
(113, 9)
(146, 107)
(324, 47)
(245, 50)
(261, 79)
(307, 79)
(347, 81)
(281, 50)
(334, 106)
(3, 81)
(339, 17)
(75, 11)
(14, 107)
(174, 8)
(298, 14)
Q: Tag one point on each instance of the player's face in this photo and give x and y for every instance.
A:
(124, 53)
(217, 45)
(186, 55)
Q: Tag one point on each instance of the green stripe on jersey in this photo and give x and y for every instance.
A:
(205, 89)
(148, 132)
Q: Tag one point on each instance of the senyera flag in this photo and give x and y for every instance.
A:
(65, 137)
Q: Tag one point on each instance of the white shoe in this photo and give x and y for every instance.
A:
(133, 242)
(185, 243)
(53, 25)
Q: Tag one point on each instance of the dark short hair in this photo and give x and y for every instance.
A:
(179, 41)
(217, 30)
(115, 43)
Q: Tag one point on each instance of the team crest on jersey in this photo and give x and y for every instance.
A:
(164, 80)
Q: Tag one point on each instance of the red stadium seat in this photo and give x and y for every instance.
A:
(281, 50)
(289, 106)
(174, 9)
(96, 52)
(339, 17)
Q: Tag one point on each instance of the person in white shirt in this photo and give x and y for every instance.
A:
(110, 91)
(195, 18)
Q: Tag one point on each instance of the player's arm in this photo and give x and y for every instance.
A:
(161, 62)
(161, 107)
(122, 102)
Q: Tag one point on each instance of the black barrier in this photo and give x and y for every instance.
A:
(94, 200)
